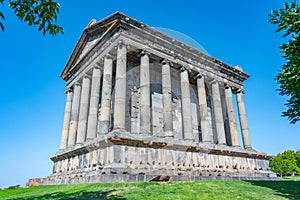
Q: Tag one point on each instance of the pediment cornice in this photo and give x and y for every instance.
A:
(120, 24)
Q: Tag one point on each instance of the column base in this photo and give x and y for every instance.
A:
(249, 148)
(168, 134)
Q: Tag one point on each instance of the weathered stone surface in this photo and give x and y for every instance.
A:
(94, 104)
(206, 128)
(243, 121)
(74, 115)
(186, 105)
(162, 111)
(106, 100)
(167, 99)
(83, 112)
(123, 163)
(218, 113)
(145, 118)
(120, 88)
(67, 117)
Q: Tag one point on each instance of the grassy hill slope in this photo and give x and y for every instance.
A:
(175, 190)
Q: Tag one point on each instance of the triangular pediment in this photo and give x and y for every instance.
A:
(100, 35)
(92, 35)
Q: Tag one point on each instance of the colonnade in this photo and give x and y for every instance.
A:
(82, 104)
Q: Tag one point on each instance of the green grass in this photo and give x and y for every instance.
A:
(295, 178)
(175, 190)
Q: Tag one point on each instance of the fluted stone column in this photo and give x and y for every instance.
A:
(167, 99)
(231, 117)
(243, 120)
(94, 104)
(218, 113)
(186, 105)
(67, 117)
(120, 88)
(145, 120)
(206, 128)
(74, 114)
(83, 111)
(106, 96)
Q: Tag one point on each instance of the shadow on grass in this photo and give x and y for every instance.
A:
(100, 195)
(287, 189)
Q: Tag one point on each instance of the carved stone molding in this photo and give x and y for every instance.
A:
(166, 62)
(240, 90)
(77, 83)
(97, 66)
(109, 56)
(68, 90)
(144, 52)
(87, 76)
(198, 75)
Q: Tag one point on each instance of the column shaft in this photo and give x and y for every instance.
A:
(186, 105)
(94, 104)
(145, 94)
(167, 99)
(83, 111)
(74, 115)
(218, 113)
(206, 128)
(120, 88)
(106, 96)
(231, 117)
(66, 123)
(243, 121)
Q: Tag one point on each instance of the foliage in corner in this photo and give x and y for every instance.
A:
(287, 163)
(40, 13)
(287, 19)
(1, 17)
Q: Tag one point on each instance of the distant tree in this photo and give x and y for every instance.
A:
(285, 163)
(297, 156)
(13, 187)
(40, 13)
(278, 165)
(287, 19)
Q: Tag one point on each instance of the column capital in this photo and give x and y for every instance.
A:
(166, 62)
(227, 86)
(240, 90)
(77, 83)
(97, 66)
(87, 76)
(184, 68)
(198, 75)
(68, 90)
(232, 87)
(213, 81)
(108, 56)
(121, 44)
(144, 52)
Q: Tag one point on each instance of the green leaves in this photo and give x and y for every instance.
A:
(40, 13)
(287, 19)
(1, 17)
(286, 163)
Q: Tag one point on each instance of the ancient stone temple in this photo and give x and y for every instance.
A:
(142, 106)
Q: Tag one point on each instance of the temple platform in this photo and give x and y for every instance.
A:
(124, 157)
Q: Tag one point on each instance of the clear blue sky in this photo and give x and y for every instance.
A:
(32, 95)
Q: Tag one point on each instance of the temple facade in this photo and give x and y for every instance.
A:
(142, 106)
